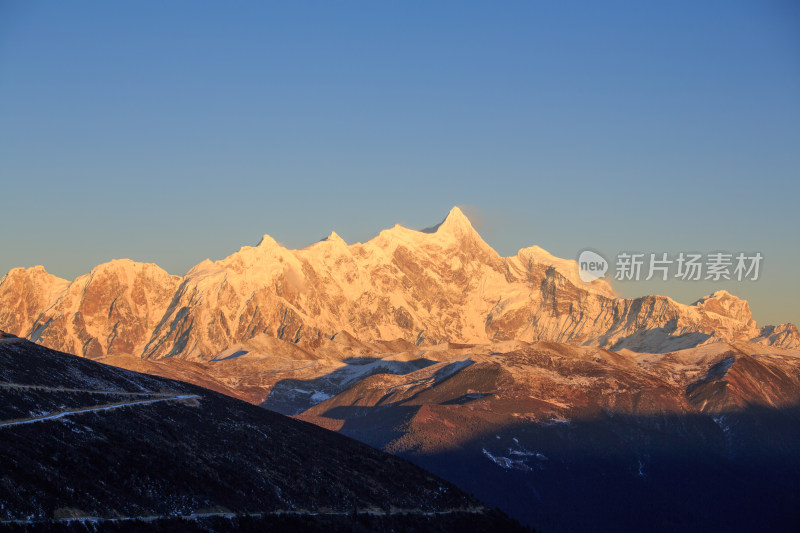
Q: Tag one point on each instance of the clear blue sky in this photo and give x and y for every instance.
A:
(174, 131)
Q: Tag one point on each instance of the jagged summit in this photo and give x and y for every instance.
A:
(37, 270)
(203, 266)
(126, 265)
(727, 305)
(718, 295)
(455, 226)
(455, 222)
(267, 242)
(333, 238)
(536, 255)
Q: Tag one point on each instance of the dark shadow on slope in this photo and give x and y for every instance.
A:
(658, 340)
(234, 355)
(734, 471)
(376, 426)
(714, 373)
(293, 396)
(440, 376)
(471, 397)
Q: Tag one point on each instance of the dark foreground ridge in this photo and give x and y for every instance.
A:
(86, 446)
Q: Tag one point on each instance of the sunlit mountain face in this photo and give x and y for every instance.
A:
(443, 284)
(549, 397)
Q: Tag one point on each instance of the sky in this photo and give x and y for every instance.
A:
(169, 132)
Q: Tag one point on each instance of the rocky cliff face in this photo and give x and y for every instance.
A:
(25, 294)
(425, 287)
(113, 309)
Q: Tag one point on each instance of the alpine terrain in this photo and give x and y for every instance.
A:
(557, 401)
(443, 284)
(85, 444)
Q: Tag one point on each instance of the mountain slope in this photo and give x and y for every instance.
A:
(425, 287)
(555, 434)
(82, 439)
(575, 438)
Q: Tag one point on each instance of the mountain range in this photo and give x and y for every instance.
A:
(554, 399)
(442, 284)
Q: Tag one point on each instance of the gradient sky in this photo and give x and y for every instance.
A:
(169, 132)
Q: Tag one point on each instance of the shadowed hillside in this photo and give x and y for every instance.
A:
(82, 439)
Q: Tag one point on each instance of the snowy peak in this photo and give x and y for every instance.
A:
(332, 240)
(254, 259)
(533, 256)
(454, 233)
(334, 237)
(267, 242)
(721, 294)
(204, 267)
(24, 294)
(456, 220)
(129, 268)
(34, 272)
(455, 223)
(726, 304)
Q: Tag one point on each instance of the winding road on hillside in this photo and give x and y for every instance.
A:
(154, 397)
(280, 512)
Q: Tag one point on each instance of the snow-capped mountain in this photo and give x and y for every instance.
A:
(425, 287)
(545, 395)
